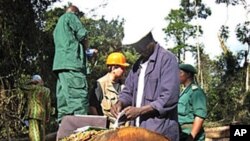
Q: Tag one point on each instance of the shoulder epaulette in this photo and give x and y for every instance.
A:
(194, 87)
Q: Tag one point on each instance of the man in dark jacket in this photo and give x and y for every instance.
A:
(150, 96)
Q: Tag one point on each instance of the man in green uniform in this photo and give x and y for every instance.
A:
(70, 38)
(192, 109)
(38, 107)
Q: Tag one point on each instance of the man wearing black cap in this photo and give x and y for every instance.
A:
(192, 109)
(150, 96)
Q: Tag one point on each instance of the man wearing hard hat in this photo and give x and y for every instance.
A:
(108, 87)
(150, 96)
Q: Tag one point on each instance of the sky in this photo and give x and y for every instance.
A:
(143, 15)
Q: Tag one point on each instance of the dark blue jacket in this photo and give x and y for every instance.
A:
(161, 91)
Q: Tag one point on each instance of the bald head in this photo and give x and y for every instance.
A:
(72, 9)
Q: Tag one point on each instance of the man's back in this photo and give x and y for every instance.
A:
(38, 101)
(68, 34)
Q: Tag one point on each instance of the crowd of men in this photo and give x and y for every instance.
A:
(150, 98)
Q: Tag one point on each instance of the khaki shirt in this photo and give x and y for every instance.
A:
(109, 95)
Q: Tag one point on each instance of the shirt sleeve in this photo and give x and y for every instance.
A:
(199, 102)
(78, 28)
(169, 86)
(126, 95)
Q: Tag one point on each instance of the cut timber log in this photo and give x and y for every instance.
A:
(218, 132)
(130, 134)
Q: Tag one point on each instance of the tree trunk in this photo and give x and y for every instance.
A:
(247, 78)
(199, 74)
(247, 71)
(200, 77)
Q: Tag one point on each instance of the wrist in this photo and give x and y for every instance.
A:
(140, 111)
(192, 136)
(119, 103)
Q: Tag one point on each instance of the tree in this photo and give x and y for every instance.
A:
(242, 32)
(181, 30)
(243, 35)
(20, 39)
(21, 48)
(230, 2)
(227, 94)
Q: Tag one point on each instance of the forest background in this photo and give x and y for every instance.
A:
(27, 48)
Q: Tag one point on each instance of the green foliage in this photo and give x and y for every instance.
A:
(230, 2)
(243, 32)
(24, 49)
(51, 18)
(224, 32)
(180, 29)
(12, 112)
(227, 99)
(20, 42)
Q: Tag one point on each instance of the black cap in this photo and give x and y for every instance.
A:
(187, 68)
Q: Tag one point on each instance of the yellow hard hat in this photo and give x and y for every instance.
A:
(116, 58)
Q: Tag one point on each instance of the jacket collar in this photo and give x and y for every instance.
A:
(152, 59)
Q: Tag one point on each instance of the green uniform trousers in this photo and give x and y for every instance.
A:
(36, 130)
(72, 94)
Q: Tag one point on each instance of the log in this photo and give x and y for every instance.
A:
(218, 132)
(130, 134)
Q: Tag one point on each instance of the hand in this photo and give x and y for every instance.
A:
(91, 53)
(95, 50)
(190, 137)
(115, 109)
(132, 112)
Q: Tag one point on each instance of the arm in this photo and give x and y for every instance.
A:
(197, 125)
(169, 86)
(78, 29)
(125, 96)
(199, 103)
(198, 100)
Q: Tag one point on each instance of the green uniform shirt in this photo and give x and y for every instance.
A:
(38, 101)
(69, 52)
(192, 102)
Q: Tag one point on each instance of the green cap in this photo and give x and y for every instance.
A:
(187, 68)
